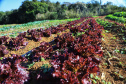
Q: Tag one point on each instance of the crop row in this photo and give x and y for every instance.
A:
(120, 14)
(34, 34)
(22, 25)
(115, 18)
(72, 57)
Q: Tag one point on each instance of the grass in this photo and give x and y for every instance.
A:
(14, 30)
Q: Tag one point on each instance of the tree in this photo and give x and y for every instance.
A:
(1, 16)
(47, 1)
(51, 7)
(29, 9)
(34, 0)
(67, 3)
(63, 6)
(5, 18)
(42, 1)
(57, 4)
(77, 7)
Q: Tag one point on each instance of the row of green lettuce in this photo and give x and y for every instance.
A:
(120, 14)
(115, 18)
(22, 25)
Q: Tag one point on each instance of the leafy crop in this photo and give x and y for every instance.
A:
(75, 66)
(73, 58)
(115, 18)
(11, 72)
(3, 51)
(42, 51)
(16, 43)
(35, 34)
(64, 40)
(3, 39)
(22, 25)
(120, 14)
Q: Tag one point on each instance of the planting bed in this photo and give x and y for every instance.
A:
(113, 66)
(72, 53)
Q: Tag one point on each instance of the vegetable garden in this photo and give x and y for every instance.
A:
(118, 16)
(68, 53)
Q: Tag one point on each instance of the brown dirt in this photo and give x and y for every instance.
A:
(107, 71)
(32, 44)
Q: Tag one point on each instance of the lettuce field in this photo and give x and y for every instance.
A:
(88, 50)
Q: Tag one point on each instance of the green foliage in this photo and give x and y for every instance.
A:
(47, 15)
(71, 14)
(45, 68)
(94, 16)
(51, 15)
(116, 18)
(91, 75)
(34, 0)
(42, 59)
(97, 78)
(78, 7)
(26, 12)
(15, 29)
(22, 25)
(123, 51)
(104, 23)
(30, 65)
(120, 14)
(1, 15)
(1, 58)
(32, 10)
(94, 81)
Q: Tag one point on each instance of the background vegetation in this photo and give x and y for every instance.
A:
(117, 16)
(46, 10)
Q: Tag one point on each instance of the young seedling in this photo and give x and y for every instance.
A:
(103, 39)
(117, 50)
(118, 75)
(42, 59)
(45, 68)
(97, 78)
(29, 66)
(106, 64)
(106, 31)
(91, 75)
(58, 33)
(104, 82)
(94, 81)
(1, 58)
(120, 63)
(113, 38)
(108, 83)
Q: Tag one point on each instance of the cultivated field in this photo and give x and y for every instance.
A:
(89, 50)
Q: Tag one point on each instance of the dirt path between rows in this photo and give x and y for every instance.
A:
(113, 64)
